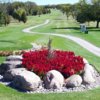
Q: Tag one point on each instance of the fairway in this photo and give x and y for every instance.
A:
(13, 38)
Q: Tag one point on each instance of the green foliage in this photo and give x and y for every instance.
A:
(7, 19)
(4, 19)
(20, 15)
(1, 18)
(84, 11)
(84, 14)
(89, 12)
(19, 11)
(23, 17)
(65, 9)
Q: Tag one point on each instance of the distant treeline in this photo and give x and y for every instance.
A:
(20, 11)
(82, 12)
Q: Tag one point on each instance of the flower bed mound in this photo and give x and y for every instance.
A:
(42, 61)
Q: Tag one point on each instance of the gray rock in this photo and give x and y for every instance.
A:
(53, 80)
(89, 74)
(85, 61)
(73, 81)
(27, 81)
(14, 58)
(10, 74)
(7, 65)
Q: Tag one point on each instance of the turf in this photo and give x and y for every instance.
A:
(7, 93)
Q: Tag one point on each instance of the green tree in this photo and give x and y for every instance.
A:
(20, 15)
(23, 17)
(65, 9)
(85, 14)
(1, 18)
(96, 12)
(68, 10)
(89, 12)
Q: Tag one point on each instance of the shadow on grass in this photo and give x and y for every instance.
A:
(93, 29)
(7, 41)
(59, 19)
(75, 28)
(78, 28)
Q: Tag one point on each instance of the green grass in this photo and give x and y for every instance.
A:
(12, 38)
(7, 93)
(72, 27)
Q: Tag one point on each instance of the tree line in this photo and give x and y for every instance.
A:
(20, 11)
(83, 11)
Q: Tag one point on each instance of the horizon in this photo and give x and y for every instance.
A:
(45, 2)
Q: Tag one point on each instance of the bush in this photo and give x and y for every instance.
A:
(64, 61)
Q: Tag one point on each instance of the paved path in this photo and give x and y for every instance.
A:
(28, 30)
(85, 44)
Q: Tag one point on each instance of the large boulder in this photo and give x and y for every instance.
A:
(89, 74)
(10, 74)
(14, 58)
(7, 65)
(53, 80)
(27, 81)
(73, 81)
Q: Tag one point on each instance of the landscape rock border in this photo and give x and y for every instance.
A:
(74, 83)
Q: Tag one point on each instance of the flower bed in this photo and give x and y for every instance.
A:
(8, 53)
(41, 62)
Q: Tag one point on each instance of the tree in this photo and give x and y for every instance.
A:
(7, 19)
(84, 14)
(96, 12)
(68, 10)
(1, 19)
(89, 12)
(65, 9)
(20, 15)
(4, 17)
(23, 17)
(20, 11)
(39, 12)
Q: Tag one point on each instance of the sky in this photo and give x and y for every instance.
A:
(46, 2)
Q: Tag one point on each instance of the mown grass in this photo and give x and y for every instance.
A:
(7, 93)
(12, 38)
(72, 27)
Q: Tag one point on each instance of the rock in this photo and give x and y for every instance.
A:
(36, 46)
(85, 61)
(88, 78)
(14, 58)
(89, 67)
(10, 74)
(53, 80)
(7, 65)
(73, 81)
(27, 81)
(89, 74)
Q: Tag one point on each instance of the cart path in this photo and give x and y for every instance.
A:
(83, 43)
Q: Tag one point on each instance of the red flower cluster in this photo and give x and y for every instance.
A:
(63, 61)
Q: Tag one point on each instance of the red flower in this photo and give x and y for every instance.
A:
(64, 61)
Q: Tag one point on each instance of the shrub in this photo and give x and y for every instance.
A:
(64, 61)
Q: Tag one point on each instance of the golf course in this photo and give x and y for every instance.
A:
(12, 37)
